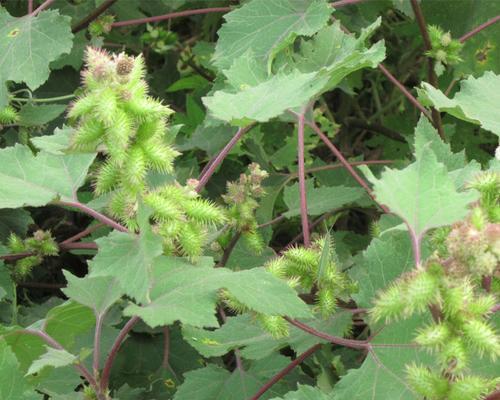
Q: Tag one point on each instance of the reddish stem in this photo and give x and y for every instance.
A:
(479, 28)
(62, 246)
(92, 16)
(30, 6)
(83, 233)
(93, 213)
(166, 348)
(353, 344)
(56, 345)
(405, 92)
(302, 181)
(344, 162)
(159, 18)
(493, 396)
(42, 7)
(280, 375)
(220, 157)
(97, 344)
(114, 351)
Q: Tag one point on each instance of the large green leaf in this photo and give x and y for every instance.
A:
(216, 383)
(319, 200)
(16, 221)
(52, 358)
(382, 375)
(338, 53)
(98, 293)
(422, 194)
(29, 180)
(242, 333)
(188, 293)
(12, 384)
(476, 102)
(266, 100)
(305, 393)
(128, 257)
(28, 44)
(266, 26)
(383, 261)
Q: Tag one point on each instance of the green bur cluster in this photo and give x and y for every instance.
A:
(8, 115)
(445, 50)
(450, 285)
(40, 245)
(241, 198)
(307, 270)
(116, 114)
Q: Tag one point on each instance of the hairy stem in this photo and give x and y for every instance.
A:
(344, 162)
(159, 18)
(114, 351)
(97, 344)
(280, 375)
(56, 345)
(93, 213)
(479, 28)
(92, 16)
(42, 7)
(431, 73)
(302, 180)
(83, 233)
(353, 344)
(220, 157)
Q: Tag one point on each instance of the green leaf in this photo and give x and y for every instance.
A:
(319, 200)
(6, 283)
(383, 261)
(476, 102)
(12, 383)
(16, 221)
(216, 383)
(427, 138)
(422, 194)
(188, 293)
(99, 293)
(243, 333)
(305, 393)
(338, 53)
(56, 143)
(52, 358)
(382, 374)
(28, 44)
(35, 115)
(129, 257)
(267, 26)
(30, 180)
(266, 100)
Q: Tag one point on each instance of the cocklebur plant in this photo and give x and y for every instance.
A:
(241, 198)
(445, 49)
(308, 270)
(116, 114)
(450, 285)
(40, 245)
(8, 115)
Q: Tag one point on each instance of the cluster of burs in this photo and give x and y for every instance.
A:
(115, 114)
(460, 283)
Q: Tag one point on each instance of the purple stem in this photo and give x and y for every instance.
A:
(97, 343)
(42, 7)
(220, 157)
(302, 180)
(353, 344)
(345, 163)
(479, 28)
(30, 6)
(55, 344)
(159, 18)
(166, 348)
(342, 3)
(114, 351)
(93, 213)
(83, 233)
(280, 375)
(92, 16)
